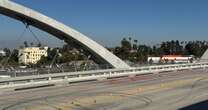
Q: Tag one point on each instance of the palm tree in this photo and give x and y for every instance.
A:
(130, 38)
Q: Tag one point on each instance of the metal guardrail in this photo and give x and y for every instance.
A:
(68, 77)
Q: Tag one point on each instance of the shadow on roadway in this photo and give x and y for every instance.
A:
(198, 106)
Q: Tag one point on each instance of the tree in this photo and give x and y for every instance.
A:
(52, 55)
(7, 51)
(125, 49)
(13, 60)
(125, 44)
(135, 44)
(43, 61)
(130, 39)
(26, 44)
(179, 47)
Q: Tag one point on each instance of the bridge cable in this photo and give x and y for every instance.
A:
(27, 25)
(34, 35)
(54, 61)
(54, 58)
(38, 40)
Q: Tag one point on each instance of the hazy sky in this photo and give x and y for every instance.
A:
(108, 21)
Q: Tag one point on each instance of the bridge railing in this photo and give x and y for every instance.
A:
(69, 77)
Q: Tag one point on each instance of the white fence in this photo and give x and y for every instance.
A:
(57, 78)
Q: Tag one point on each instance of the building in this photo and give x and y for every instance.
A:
(171, 59)
(177, 58)
(32, 54)
(2, 53)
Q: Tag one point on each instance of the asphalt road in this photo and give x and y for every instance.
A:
(182, 90)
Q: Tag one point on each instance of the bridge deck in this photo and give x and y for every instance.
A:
(170, 91)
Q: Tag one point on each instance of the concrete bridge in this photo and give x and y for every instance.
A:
(168, 89)
(69, 35)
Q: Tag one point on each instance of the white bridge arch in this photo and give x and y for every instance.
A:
(61, 31)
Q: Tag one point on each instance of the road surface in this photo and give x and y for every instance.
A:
(180, 90)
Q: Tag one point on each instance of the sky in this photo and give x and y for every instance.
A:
(108, 21)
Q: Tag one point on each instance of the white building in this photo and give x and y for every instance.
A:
(153, 59)
(2, 53)
(32, 54)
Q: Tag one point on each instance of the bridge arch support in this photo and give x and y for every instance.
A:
(61, 31)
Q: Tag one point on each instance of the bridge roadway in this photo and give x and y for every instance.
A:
(163, 91)
(57, 78)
